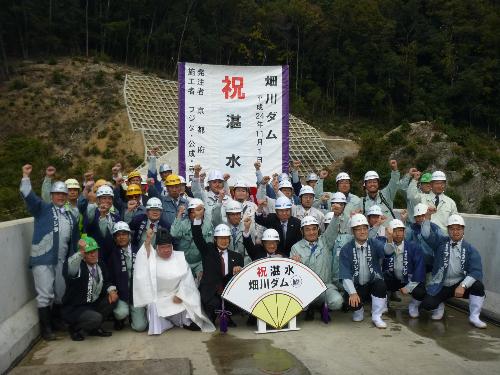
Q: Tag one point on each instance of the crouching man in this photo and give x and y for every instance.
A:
(404, 270)
(315, 252)
(163, 281)
(89, 296)
(457, 271)
(360, 271)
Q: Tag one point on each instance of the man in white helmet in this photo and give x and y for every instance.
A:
(404, 270)
(216, 184)
(457, 271)
(384, 198)
(306, 196)
(314, 250)
(376, 220)
(419, 186)
(233, 210)
(270, 241)
(414, 233)
(55, 237)
(121, 269)
(219, 265)
(152, 219)
(360, 271)
(98, 221)
(282, 188)
(440, 205)
(283, 222)
(181, 231)
(241, 193)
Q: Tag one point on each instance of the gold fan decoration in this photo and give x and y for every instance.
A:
(277, 309)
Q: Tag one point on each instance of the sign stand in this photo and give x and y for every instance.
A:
(262, 326)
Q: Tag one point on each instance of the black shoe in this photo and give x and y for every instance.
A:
(45, 326)
(119, 324)
(100, 332)
(309, 315)
(251, 321)
(192, 327)
(230, 322)
(76, 336)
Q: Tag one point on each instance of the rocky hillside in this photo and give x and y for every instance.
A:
(69, 113)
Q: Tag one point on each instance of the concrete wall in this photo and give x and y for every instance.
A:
(18, 313)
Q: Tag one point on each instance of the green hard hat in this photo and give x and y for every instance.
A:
(90, 244)
(426, 178)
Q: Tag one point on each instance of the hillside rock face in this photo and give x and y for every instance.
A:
(470, 175)
(74, 104)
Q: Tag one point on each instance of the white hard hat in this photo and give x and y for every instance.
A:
(154, 203)
(240, 184)
(342, 176)
(59, 187)
(438, 176)
(222, 230)
(283, 176)
(282, 203)
(374, 210)
(233, 207)
(455, 219)
(165, 168)
(183, 180)
(420, 209)
(270, 235)
(285, 184)
(121, 226)
(371, 175)
(338, 197)
(312, 177)
(104, 191)
(195, 202)
(306, 190)
(71, 183)
(215, 175)
(144, 180)
(328, 217)
(358, 219)
(308, 220)
(396, 223)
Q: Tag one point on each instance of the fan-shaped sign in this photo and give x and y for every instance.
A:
(274, 290)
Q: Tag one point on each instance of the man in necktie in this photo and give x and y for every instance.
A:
(121, 267)
(90, 297)
(457, 271)
(219, 264)
(440, 205)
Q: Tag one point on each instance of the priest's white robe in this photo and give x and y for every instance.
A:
(157, 281)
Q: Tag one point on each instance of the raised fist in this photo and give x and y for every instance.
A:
(27, 170)
(257, 165)
(393, 164)
(50, 171)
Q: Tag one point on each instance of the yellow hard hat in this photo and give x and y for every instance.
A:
(133, 174)
(100, 183)
(133, 189)
(71, 183)
(172, 179)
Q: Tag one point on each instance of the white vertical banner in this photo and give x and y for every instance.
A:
(232, 116)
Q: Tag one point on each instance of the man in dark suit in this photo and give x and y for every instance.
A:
(89, 296)
(219, 265)
(287, 226)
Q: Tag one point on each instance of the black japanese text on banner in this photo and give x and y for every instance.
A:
(232, 116)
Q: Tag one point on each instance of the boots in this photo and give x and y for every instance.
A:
(57, 321)
(413, 308)
(45, 327)
(358, 315)
(378, 305)
(438, 313)
(475, 305)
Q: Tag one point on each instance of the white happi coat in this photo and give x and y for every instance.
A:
(158, 280)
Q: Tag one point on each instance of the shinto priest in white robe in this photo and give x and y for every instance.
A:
(157, 281)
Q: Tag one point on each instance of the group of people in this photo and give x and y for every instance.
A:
(154, 252)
